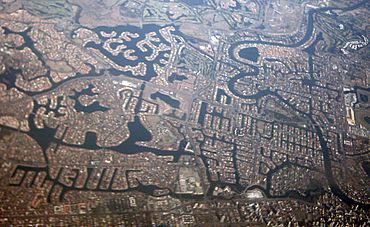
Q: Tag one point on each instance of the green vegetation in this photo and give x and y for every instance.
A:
(194, 61)
(49, 8)
(5, 133)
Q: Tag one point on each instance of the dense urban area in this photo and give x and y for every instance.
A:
(184, 113)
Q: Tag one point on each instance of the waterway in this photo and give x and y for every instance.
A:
(45, 136)
(175, 77)
(93, 107)
(249, 53)
(120, 60)
(166, 98)
(310, 50)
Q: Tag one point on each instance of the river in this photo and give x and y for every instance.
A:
(255, 71)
